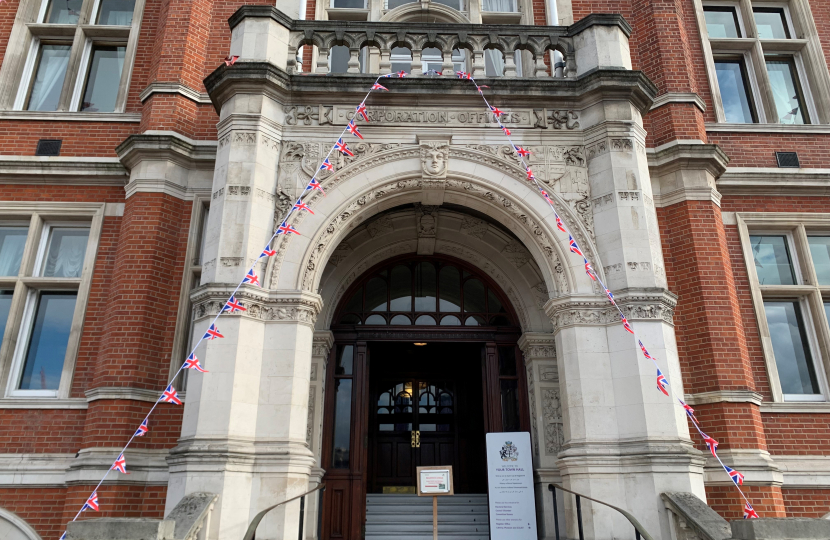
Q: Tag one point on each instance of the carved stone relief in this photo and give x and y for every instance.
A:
(310, 422)
(434, 158)
(426, 226)
(474, 227)
(378, 226)
(516, 253)
(552, 413)
(209, 303)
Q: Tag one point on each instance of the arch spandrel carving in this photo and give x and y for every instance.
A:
(495, 186)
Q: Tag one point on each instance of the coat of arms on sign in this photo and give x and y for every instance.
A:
(509, 452)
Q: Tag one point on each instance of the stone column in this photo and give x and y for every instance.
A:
(244, 432)
(322, 344)
(539, 351)
(625, 442)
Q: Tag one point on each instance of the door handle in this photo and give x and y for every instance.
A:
(417, 439)
(412, 440)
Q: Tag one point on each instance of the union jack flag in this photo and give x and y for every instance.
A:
(480, 87)
(170, 396)
(610, 296)
(645, 352)
(377, 86)
(315, 184)
(91, 503)
(326, 165)
(589, 269)
(689, 410)
(142, 429)
(402, 74)
(711, 443)
(267, 252)
(287, 229)
(749, 512)
(521, 151)
(212, 333)
(353, 130)
(574, 247)
(252, 278)
(233, 305)
(343, 147)
(545, 195)
(231, 60)
(662, 383)
(63, 536)
(498, 112)
(626, 325)
(300, 205)
(361, 110)
(506, 131)
(462, 75)
(736, 477)
(530, 176)
(193, 363)
(120, 465)
(559, 224)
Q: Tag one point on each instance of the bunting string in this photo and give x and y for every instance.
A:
(233, 305)
(662, 381)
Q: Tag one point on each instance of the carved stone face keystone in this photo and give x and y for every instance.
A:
(434, 156)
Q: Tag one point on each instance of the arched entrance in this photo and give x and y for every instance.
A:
(425, 363)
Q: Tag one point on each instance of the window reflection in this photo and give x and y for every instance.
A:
(789, 344)
(450, 284)
(734, 90)
(12, 242)
(772, 260)
(721, 22)
(820, 250)
(342, 423)
(48, 341)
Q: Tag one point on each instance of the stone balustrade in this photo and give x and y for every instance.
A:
(383, 37)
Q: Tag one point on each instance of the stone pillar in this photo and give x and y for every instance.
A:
(625, 442)
(539, 351)
(322, 344)
(244, 432)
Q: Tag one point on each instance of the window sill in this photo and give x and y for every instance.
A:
(810, 407)
(767, 128)
(43, 403)
(66, 116)
(501, 17)
(347, 14)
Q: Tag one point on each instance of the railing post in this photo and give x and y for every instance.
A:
(302, 516)
(555, 511)
(636, 533)
(579, 518)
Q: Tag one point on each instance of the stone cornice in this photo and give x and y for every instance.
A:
(62, 170)
(122, 392)
(167, 145)
(637, 304)
(687, 155)
(266, 78)
(679, 97)
(173, 88)
(774, 181)
(269, 306)
(725, 396)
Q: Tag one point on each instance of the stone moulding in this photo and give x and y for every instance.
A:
(274, 307)
(570, 311)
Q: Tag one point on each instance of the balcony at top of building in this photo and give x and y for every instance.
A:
(340, 56)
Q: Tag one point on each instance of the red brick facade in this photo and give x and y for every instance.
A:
(131, 313)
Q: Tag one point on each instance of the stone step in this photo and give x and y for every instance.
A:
(462, 517)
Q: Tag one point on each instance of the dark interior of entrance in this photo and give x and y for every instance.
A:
(427, 408)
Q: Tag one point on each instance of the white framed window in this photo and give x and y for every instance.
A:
(71, 56)
(47, 257)
(764, 64)
(788, 264)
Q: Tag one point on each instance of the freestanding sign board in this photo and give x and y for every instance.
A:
(510, 485)
(434, 482)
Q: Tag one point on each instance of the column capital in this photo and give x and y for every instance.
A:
(269, 306)
(636, 304)
(322, 344)
(538, 346)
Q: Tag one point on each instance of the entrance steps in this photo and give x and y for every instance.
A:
(395, 517)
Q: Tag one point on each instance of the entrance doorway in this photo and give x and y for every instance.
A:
(392, 405)
(426, 409)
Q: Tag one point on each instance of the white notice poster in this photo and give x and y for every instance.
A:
(510, 484)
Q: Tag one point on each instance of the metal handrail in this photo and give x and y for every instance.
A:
(639, 530)
(249, 534)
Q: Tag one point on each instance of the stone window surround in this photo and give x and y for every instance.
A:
(809, 294)
(183, 334)
(804, 47)
(21, 52)
(39, 215)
